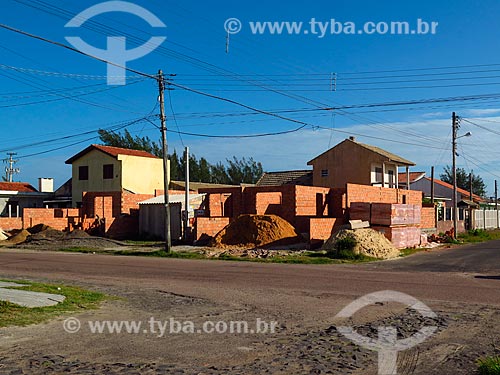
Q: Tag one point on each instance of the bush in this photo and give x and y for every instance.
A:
(344, 249)
(489, 366)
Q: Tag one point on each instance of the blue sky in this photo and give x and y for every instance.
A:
(269, 72)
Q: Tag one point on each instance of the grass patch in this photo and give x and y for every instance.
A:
(77, 299)
(489, 366)
(479, 235)
(410, 251)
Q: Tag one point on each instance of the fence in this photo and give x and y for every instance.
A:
(486, 219)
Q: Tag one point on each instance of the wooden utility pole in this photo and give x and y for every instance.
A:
(496, 201)
(186, 198)
(166, 171)
(432, 184)
(470, 187)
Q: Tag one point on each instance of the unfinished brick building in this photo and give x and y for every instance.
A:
(316, 211)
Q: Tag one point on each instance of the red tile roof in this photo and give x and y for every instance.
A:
(23, 187)
(111, 151)
(414, 176)
(460, 190)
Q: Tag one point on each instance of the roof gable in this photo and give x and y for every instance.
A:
(460, 190)
(22, 187)
(300, 177)
(377, 150)
(111, 151)
(414, 177)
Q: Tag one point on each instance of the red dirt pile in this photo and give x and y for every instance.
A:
(257, 230)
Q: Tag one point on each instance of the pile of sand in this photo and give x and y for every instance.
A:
(19, 237)
(257, 230)
(368, 242)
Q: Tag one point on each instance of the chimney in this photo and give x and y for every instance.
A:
(352, 138)
(46, 185)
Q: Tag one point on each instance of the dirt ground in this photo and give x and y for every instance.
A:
(302, 299)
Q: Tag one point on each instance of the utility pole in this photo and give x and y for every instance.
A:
(186, 198)
(432, 184)
(496, 201)
(470, 187)
(10, 170)
(166, 170)
(454, 124)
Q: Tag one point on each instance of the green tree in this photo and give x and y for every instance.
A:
(478, 185)
(244, 171)
(126, 140)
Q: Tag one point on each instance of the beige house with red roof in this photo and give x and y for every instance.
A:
(357, 163)
(112, 169)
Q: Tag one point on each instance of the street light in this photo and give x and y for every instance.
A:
(455, 125)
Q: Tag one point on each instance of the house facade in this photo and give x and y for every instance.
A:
(357, 163)
(443, 191)
(113, 169)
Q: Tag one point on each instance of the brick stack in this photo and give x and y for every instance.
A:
(400, 223)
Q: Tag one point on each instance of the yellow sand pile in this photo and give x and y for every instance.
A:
(257, 230)
(368, 242)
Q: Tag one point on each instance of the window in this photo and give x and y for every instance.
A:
(107, 171)
(324, 173)
(83, 173)
(379, 175)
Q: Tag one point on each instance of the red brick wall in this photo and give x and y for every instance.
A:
(268, 203)
(57, 218)
(312, 201)
(130, 202)
(321, 229)
(209, 226)
(428, 219)
(9, 223)
(373, 194)
(401, 237)
(395, 214)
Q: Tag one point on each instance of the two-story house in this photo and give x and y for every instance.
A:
(357, 163)
(112, 169)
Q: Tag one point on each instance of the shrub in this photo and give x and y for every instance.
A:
(489, 366)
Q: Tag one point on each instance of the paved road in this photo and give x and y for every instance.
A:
(483, 258)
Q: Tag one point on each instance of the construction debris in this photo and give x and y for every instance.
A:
(257, 230)
(3, 235)
(358, 224)
(367, 242)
